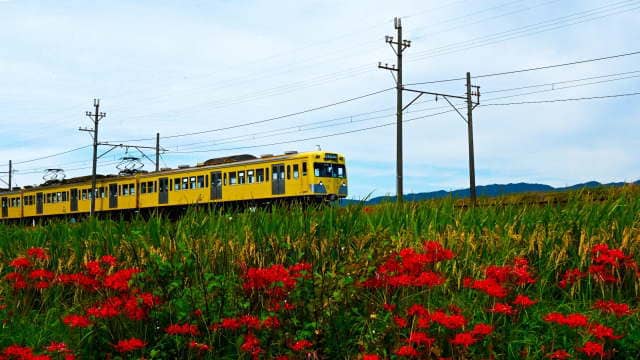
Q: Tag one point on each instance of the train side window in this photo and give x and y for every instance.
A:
(132, 189)
(143, 188)
(266, 176)
(102, 192)
(259, 175)
(83, 194)
(200, 182)
(185, 183)
(304, 169)
(64, 196)
(152, 186)
(232, 178)
(296, 171)
(58, 197)
(224, 181)
(288, 172)
(192, 182)
(250, 177)
(18, 201)
(176, 184)
(240, 177)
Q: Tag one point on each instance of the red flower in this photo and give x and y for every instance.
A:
(199, 346)
(370, 357)
(301, 345)
(271, 322)
(559, 354)
(524, 301)
(57, 347)
(184, 329)
(611, 307)
(571, 276)
(251, 345)
(120, 279)
(20, 263)
(449, 321)
(571, 320)
(129, 345)
(463, 339)
(502, 308)
(592, 349)
(41, 274)
(230, 324)
(108, 260)
(482, 330)
(420, 338)
(407, 350)
(389, 308)
(38, 253)
(76, 321)
(603, 332)
(400, 322)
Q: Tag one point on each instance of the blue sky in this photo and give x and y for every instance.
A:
(186, 66)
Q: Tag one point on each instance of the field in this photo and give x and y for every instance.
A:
(423, 280)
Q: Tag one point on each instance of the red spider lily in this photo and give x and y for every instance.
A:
(370, 357)
(571, 276)
(18, 351)
(78, 321)
(250, 321)
(571, 320)
(94, 268)
(18, 279)
(41, 274)
(420, 338)
(109, 260)
(449, 321)
(184, 329)
(603, 332)
(400, 321)
(229, 324)
(502, 308)
(79, 279)
(251, 345)
(129, 345)
(120, 279)
(481, 330)
(612, 307)
(301, 345)
(489, 286)
(592, 349)
(559, 355)
(407, 350)
(56, 347)
(197, 313)
(271, 322)
(417, 309)
(435, 252)
(524, 301)
(389, 308)
(38, 253)
(198, 346)
(20, 263)
(463, 339)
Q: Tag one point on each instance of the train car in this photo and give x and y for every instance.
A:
(241, 179)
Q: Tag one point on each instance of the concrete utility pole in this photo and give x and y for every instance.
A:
(10, 171)
(401, 45)
(472, 168)
(97, 116)
(157, 152)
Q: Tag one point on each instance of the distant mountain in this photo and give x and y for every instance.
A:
(487, 190)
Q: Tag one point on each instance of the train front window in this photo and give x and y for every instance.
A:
(329, 170)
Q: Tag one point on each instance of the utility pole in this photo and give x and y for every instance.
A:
(472, 168)
(157, 152)
(10, 171)
(97, 116)
(401, 45)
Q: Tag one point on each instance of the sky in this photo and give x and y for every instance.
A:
(181, 67)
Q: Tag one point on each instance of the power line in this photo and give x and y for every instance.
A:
(52, 155)
(569, 81)
(532, 69)
(563, 100)
(268, 119)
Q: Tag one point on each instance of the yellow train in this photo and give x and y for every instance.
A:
(240, 179)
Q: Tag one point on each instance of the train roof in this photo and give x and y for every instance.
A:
(240, 159)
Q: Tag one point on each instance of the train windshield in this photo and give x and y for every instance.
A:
(329, 170)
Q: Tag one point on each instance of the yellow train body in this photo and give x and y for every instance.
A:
(317, 175)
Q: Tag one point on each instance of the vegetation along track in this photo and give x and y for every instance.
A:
(424, 279)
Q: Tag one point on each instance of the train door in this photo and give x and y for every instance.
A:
(5, 207)
(113, 196)
(277, 177)
(216, 185)
(39, 201)
(163, 191)
(74, 200)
